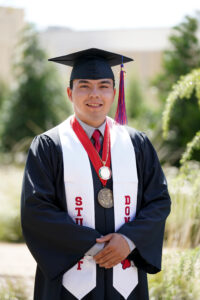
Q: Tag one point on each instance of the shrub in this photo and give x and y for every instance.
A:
(10, 189)
(183, 224)
(180, 278)
(13, 289)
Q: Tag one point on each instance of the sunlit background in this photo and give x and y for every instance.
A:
(162, 99)
(104, 15)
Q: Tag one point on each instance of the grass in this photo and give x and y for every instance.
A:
(183, 224)
(180, 278)
(10, 190)
(13, 289)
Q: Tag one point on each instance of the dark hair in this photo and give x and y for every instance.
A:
(71, 84)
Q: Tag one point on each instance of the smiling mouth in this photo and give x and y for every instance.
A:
(94, 104)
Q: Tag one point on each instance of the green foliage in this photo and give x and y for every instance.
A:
(10, 227)
(10, 189)
(180, 278)
(183, 89)
(142, 115)
(3, 93)
(194, 144)
(134, 99)
(13, 289)
(183, 224)
(183, 56)
(38, 102)
(186, 88)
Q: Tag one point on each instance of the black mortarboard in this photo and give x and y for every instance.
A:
(91, 63)
(95, 63)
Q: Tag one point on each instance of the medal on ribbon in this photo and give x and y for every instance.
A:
(101, 166)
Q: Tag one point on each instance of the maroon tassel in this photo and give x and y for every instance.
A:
(120, 116)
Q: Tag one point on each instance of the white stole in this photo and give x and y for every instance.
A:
(81, 278)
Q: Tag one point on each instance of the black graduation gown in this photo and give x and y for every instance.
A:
(57, 243)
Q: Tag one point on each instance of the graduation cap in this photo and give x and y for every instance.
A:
(94, 64)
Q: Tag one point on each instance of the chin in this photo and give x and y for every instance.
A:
(96, 121)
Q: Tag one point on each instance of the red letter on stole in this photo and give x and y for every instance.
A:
(79, 211)
(127, 200)
(78, 201)
(126, 219)
(79, 264)
(79, 221)
(127, 210)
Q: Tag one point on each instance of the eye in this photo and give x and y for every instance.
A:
(84, 86)
(104, 86)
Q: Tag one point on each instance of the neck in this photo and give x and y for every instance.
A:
(94, 124)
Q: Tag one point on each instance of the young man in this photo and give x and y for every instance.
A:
(94, 198)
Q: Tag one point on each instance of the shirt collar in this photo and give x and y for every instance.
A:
(89, 129)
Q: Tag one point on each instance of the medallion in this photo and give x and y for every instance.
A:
(101, 165)
(105, 198)
(105, 173)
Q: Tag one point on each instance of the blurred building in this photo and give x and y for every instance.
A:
(11, 24)
(144, 45)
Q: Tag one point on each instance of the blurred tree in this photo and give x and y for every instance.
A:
(183, 56)
(3, 93)
(139, 114)
(134, 99)
(187, 87)
(38, 103)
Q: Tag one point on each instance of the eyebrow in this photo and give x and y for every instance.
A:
(101, 82)
(83, 81)
(105, 81)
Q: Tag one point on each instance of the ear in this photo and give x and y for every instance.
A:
(69, 93)
(114, 94)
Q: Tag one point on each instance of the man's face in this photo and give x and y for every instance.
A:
(92, 99)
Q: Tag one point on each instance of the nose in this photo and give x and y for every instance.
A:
(94, 92)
